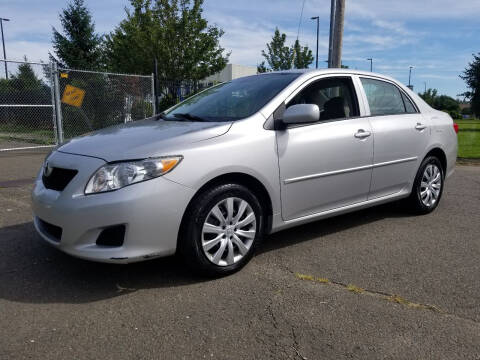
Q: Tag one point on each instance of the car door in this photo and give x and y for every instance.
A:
(326, 164)
(400, 136)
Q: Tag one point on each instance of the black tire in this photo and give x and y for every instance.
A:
(190, 240)
(414, 201)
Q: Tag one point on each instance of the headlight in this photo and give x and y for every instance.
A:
(115, 176)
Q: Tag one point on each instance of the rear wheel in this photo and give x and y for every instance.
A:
(428, 186)
(223, 227)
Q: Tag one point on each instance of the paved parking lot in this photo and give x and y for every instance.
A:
(374, 284)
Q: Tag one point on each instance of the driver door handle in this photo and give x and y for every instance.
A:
(362, 134)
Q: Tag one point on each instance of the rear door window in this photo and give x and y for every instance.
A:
(383, 98)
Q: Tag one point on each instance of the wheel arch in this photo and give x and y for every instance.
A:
(249, 181)
(440, 155)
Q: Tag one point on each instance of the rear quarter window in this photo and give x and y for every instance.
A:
(409, 108)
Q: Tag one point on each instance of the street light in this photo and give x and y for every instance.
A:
(410, 77)
(318, 23)
(3, 42)
(371, 64)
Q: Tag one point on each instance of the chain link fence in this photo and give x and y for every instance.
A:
(26, 106)
(171, 92)
(42, 104)
(95, 100)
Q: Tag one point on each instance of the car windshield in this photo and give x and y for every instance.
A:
(233, 100)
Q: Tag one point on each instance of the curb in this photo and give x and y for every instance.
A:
(468, 161)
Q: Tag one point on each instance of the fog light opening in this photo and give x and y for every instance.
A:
(113, 236)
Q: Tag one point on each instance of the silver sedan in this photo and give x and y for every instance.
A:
(209, 177)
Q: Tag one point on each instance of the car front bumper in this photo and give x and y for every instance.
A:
(151, 212)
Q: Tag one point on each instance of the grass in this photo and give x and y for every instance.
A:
(469, 138)
(26, 134)
(355, 289)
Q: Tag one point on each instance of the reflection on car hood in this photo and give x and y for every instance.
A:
(141, 139)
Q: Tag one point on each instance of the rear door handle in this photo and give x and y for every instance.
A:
(362, 134)
(420, 126)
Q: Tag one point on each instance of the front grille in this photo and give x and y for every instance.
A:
(58, 178)
(53, 231)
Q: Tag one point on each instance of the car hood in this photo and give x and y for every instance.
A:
(141, 139)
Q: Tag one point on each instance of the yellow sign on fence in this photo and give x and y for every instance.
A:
(73, 96)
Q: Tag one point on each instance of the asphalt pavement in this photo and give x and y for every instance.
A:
(375, 284)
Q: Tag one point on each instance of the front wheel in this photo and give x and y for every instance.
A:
(427, 187)
(223, 227)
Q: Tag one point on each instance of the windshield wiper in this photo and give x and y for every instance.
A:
(188, 116)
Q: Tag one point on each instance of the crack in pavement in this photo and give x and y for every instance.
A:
(382, 295)
(281, 327)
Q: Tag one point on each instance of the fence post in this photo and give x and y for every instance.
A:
(52, 93)
(155, 84)
(154, 96)
(58, 103)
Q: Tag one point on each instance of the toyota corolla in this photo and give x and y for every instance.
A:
(209, 177)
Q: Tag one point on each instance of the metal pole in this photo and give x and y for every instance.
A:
(52, 93)
(425, 83)
(410, 75)
(338, 34)
(318, 24)
(3, 43)
(58, 103)
(371, 64)
(330, 38)
(154, 103)
(155, 85)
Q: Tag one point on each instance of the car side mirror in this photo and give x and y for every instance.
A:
(301, 113)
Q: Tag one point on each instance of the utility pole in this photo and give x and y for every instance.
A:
(339, 16)
(410, 77)
(3, 42)
(330, 37)
(371, 64)
(318, 23)
(425, 83)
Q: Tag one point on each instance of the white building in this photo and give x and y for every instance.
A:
(230, 72)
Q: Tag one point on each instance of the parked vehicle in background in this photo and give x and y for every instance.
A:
(211, 176)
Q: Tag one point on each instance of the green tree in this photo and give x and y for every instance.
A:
(471, 76)
(280, 56)
(25, 78)
(173, 31)
(25, 87)
(261, 68)
(429, 96)
(302, 56)
(441, 102)
(80, 46)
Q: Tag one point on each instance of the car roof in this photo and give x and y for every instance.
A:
(343, 71)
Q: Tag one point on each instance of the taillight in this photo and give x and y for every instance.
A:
(455, 127)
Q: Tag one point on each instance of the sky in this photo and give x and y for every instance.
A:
(436, 37)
